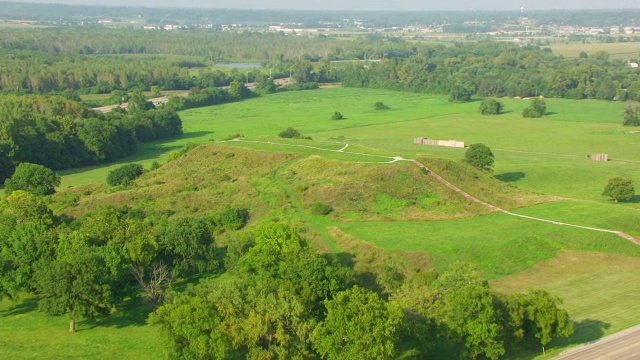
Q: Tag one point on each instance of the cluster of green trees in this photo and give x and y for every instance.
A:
(498, 69)
(199, 97)
(87, 267)
(286, 301)
(60, 133)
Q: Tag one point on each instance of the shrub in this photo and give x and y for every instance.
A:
(537, 109)
(124, 174)
(490, 107)
(337, 116)
(321, 209)
(290, 133)
(154, 165)
(233, 218)
(380, 106)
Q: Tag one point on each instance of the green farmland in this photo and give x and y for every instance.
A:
(541, 170)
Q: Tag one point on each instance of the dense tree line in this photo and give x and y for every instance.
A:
(208, 46)
(59, 133)
(38, 73)
(499, 69)
(286, 301)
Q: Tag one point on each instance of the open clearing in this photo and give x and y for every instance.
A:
(624, 51)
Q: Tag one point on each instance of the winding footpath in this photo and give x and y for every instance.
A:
(442, 180)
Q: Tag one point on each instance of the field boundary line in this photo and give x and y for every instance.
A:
(451, 186)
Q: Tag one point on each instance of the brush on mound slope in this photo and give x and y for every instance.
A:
(401, 191)
(207, 178)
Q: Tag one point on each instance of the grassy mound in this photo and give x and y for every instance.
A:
(207, 178)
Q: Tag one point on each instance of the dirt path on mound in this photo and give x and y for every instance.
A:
(442, 180)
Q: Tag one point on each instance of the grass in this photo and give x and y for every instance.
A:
(500, 245)
(599, 291)
(28, 333)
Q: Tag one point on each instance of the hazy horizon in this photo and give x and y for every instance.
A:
(359, 5)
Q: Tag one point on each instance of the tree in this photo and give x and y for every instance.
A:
(537, 108)
(34, 178)
(619, 189)
(191, 324)
(359, 325)
(77, 282)
(461, 92)
(22, 207)
(466, 307)
(138, 102)
(479, 156)
(491, 107)
(544, 319)
(238, 91)
(265, 85)
(124, 174)
(188, 244)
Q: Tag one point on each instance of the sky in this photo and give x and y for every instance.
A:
(399, 5)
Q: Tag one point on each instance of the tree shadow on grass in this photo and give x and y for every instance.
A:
(134, 312)
(20, 308)
(635, 199)
(193, 134)
(510, 176)
(584, 331)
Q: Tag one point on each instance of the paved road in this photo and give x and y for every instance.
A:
(163, 99)
(624, 345)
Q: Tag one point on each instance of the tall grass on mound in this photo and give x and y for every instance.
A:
(207, 179)
(375, 192)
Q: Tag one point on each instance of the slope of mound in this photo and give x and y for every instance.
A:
(211, 177)
(358, 192)
(207, 178)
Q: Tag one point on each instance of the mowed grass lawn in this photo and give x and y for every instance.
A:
(500, 245)
(622, 50)
(599, 291)
(28, 333)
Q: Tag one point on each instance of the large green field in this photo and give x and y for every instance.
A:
(541, 166)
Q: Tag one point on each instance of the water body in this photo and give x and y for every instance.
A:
(241, 65)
